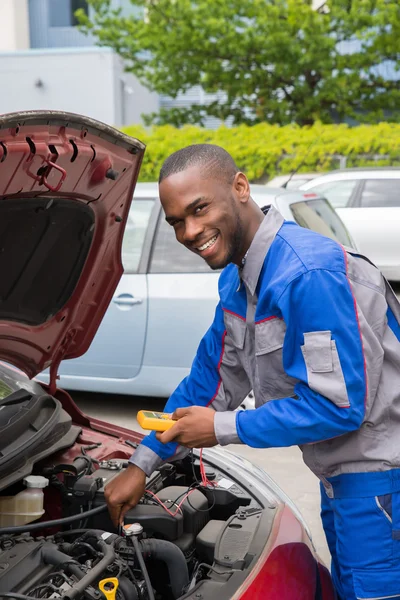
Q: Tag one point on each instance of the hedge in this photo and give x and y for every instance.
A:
(263, 151)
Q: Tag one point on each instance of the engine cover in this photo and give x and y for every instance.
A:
(193, 509)
(22, 567)
(33, 425)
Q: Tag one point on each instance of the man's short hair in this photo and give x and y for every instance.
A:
(215, 162)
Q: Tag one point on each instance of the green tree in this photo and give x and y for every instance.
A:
(279, 61)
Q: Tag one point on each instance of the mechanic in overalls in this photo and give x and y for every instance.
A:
(314, 330)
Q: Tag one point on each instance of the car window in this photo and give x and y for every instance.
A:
(381, 192)
(337, 192)
(319, 216)
(135, 232)
(293, 184)
(169, 256)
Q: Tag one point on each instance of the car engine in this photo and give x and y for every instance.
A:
(194, 523)
(169, 541)
(72, 564)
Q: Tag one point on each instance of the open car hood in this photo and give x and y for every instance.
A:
(66, 185)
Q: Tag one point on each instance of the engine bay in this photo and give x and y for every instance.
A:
(192, 524)
(198, 524)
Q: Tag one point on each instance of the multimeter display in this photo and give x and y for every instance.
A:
(156, 421)
(155, 415)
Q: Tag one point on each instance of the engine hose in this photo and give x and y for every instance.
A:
(174, 559)
(127, 588)
(95, 573)
(97, 533)
(15, 596)
(52, 556)
(143, 567)
(46, 524)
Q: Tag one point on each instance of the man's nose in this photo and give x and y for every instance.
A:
(192, 230)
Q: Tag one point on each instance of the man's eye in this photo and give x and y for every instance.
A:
(199, 208)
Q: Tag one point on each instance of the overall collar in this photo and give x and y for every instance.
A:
(262, 241)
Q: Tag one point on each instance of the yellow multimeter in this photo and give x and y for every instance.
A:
(156, 421)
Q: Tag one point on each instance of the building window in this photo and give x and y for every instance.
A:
(62, 12)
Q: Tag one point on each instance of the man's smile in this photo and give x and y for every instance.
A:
(210, 248)
(208, 244)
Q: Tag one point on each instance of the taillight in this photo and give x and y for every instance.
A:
(310, 195)
(327, 591)
(287, 568)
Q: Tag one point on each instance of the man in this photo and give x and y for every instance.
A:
(314, 330)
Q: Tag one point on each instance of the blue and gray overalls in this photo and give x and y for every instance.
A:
(314, 330)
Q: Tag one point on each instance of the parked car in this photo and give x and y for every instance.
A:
(291, 182)
(66, 186)
(368, 202)
(166, 299)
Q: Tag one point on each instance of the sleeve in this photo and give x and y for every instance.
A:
(216, 379)
(323, 349)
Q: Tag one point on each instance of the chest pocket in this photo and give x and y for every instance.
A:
(236, 332)
(324, 371)
(236, 329)
(272, 382)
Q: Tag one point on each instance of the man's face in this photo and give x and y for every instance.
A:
(205, 214)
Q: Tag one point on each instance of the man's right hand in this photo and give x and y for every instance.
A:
(124, 492)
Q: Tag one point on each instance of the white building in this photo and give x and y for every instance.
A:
(14, 25)
(47, 63)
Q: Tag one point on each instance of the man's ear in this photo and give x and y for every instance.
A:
(242, 187)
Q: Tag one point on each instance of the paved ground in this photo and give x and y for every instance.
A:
(284, 464)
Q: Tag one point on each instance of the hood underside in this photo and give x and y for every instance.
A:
(66, 186)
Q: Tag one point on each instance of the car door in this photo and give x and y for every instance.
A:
(373, 220)
(339, 192)
(342, 195)
(183, 294)
(117, 349)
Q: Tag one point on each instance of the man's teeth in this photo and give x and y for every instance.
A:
(208, 244)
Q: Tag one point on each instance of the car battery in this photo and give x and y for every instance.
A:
(154, 519)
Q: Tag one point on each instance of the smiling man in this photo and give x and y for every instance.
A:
(226, 234)
(314, 330)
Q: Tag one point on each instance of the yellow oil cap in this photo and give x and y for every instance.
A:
(112, 585)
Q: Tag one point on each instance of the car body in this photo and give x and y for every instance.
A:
(368, 202)
(166, 299)
(291, 182)
(66, 186)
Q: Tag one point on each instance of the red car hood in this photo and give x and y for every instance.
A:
(66, 185)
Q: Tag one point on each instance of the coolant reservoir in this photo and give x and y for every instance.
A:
(25, 507)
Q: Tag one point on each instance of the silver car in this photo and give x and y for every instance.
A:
(166, 299)
(291, 182)
(368, 202)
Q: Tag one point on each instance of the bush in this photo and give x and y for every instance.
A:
(263, 151)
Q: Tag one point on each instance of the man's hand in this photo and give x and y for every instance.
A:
(194, 428)
(124, 492)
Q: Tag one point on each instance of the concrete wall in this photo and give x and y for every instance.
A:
(14, 25)
(87, 81)
(76, 81)
(131, 98)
